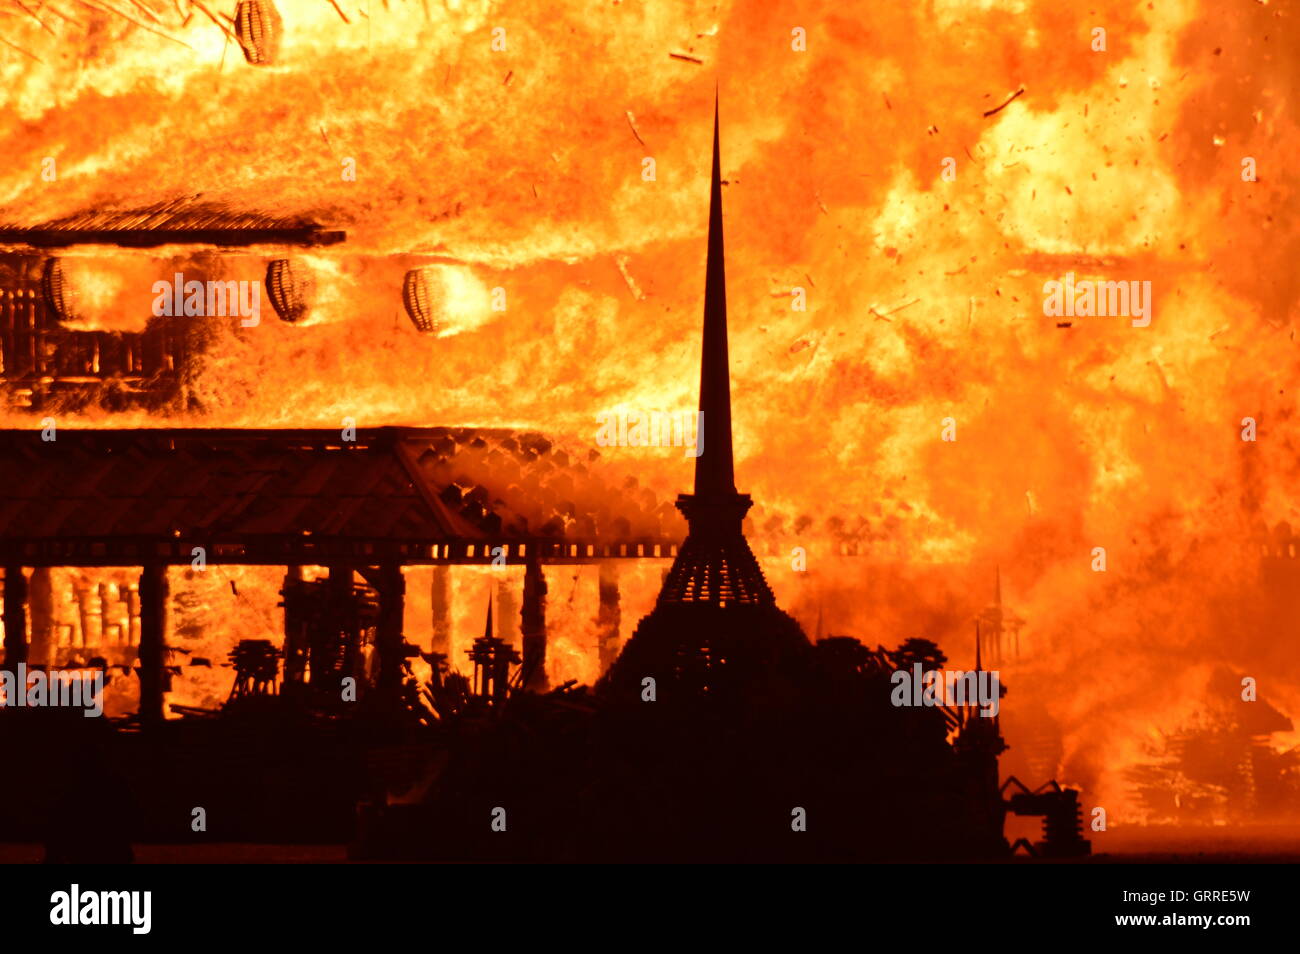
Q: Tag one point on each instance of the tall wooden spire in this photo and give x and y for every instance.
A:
(716, 625)
(714, 468)
(715, 564)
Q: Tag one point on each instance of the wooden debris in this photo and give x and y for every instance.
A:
(229, 33)
(106, 8)
(621, 262)
(147, 11)
(631, 121)
(687, 57)
(61, 15)
(22, 51)
(335, 5)
(892, 311)
(1010, 99)
(28, 10)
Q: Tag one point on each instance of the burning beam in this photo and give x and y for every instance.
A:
(28, 10)
(22, 51)
(143, 26)
(224, 29)
(152, 238)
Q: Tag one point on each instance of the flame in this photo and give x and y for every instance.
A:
(523, 169)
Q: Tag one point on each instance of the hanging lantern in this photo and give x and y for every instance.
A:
(58, 294)
(258, 27)
(291, 290)
(418, 295)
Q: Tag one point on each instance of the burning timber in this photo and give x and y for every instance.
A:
(184, 221)
(48, 361)
(154, 238)
(719, 731)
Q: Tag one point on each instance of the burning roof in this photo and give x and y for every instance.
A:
(421, 495)
(186, 220)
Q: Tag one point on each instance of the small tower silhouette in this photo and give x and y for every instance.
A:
(716, 622)
(492, 660)
(1001, 627)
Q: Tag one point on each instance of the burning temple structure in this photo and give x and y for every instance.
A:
(52, 358)
(362, 504)
(718, 732)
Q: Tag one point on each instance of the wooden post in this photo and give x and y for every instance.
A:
(15, 617)
(441, 603)
(88, 608)
(388, 638)
(41, 589)
(153, 642)
(507, 615)
(106, 637)
(608, 616)
(345, 630)
(532, 620)
(295, 629)
(133, 614)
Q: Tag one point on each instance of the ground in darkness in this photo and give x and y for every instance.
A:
(1255, 845)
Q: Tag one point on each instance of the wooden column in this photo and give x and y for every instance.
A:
(106, 617)
(153, 642)
(532, 620)
(441, 603)
(344, 628)
(133, 614)
(507, 614)
(608, 616)
(88, 612)
(388, 638)
(15, 617)
(41, 652)
(295, 629)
